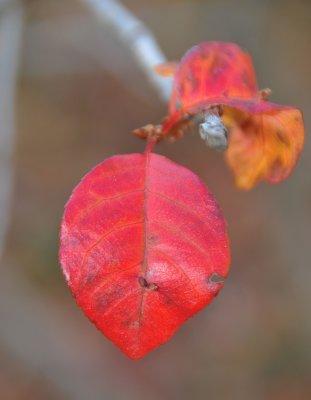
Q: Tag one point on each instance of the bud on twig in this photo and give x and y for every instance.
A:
(213, 131)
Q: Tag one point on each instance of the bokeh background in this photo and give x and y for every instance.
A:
(79, 95)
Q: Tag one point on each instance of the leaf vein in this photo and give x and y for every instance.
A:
(178, 268)
(115, 229)
(181, 236)
(85, 211)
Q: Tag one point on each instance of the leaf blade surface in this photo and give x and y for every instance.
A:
(140, 238)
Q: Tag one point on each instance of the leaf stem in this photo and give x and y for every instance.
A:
(151, 142)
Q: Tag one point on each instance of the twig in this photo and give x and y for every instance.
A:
(137, 36)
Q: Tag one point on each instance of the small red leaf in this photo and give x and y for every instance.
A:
(265, 139)
(143, 248)
(211, 73)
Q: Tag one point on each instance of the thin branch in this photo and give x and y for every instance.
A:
(137, 37)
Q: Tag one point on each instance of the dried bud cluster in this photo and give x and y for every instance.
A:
(214, 132)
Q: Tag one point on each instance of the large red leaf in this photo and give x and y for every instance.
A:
(143, 248)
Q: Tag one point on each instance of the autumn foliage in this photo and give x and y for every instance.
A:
(144, 248)
(143, 243)
(265, 138)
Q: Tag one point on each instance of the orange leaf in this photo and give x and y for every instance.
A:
(167, 69)
(264, 146)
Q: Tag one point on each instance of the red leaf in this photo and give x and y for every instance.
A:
(265, 139)
(211, 73)
(143, 248)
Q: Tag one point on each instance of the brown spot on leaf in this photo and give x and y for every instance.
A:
(282, 138)
(153, 239)
(215, 278)
(145, 284)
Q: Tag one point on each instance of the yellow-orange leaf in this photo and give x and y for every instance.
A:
(264, 146)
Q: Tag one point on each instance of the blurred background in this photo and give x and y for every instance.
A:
(78, 94)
